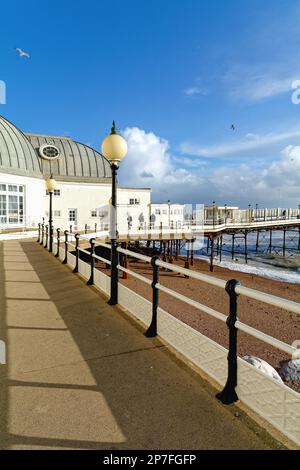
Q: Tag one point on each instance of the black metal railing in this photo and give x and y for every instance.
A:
(233, 288)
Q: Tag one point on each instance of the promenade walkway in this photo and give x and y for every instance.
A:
(80, 375)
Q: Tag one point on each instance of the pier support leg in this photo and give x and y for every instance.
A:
(211, 267)
(232, 247)
(187, 263)
(270, 242)
(221, 245)
(257, 242)
(284, 239)
(246, 247)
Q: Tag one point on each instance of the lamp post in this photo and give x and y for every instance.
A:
(114, 149)
(50, 185)
(249, 212)
(169, 213)
(214, 213)
(225, 213)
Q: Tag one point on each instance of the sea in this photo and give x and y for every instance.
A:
(262, 263)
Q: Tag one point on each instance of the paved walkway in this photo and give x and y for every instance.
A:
(80, 375)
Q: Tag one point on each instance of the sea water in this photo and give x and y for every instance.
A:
(262, 263)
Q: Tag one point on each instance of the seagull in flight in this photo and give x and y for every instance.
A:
(232, 127)
(22, 53)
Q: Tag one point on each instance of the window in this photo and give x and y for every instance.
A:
(134, 201)
(56, 192)
(21, 207)
(72, 215)
(13, 209)
(165, 211)
(11, 204)
(157, 211)
(93, 213)
(49, 152)
(3, 208)
(56, 213)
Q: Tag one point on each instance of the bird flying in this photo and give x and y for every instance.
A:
(232, 127)
(22, 53)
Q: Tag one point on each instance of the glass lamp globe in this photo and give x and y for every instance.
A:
(114, 146)
(50, 185)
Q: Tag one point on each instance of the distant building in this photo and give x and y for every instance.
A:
(167, 214)
(218, 214)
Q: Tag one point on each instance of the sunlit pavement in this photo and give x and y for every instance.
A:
(80, 375)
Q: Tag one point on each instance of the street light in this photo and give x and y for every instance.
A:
(225, 213)
(50, 185)
(249, 206)
(214, 209)
(169, 213)
(114, 149)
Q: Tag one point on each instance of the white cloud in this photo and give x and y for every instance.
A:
(258, 88)
(148, 154)
(239, 146)
(273, 184)
(195, 91)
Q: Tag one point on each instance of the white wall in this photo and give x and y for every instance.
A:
(33, 197)
(86, 197)
(163, 213)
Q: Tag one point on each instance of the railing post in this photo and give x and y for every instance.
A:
(85, 229)
(228, 394)
(46, 242)
(39, 237)
(66, 247)
(58, 242)
(42, 239)
(152, 330)
(90, 282)
(77, 236)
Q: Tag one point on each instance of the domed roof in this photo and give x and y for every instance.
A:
(40, 156)
(16, 153)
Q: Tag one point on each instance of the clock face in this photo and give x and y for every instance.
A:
(49, 152)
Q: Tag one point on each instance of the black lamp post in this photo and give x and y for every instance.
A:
(50, 185)
(249, 206)
(114, 149)
(214, 213)
(169, 213)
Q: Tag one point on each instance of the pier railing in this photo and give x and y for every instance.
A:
(83, 256)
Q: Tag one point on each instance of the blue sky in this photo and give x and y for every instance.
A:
(174, 74)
